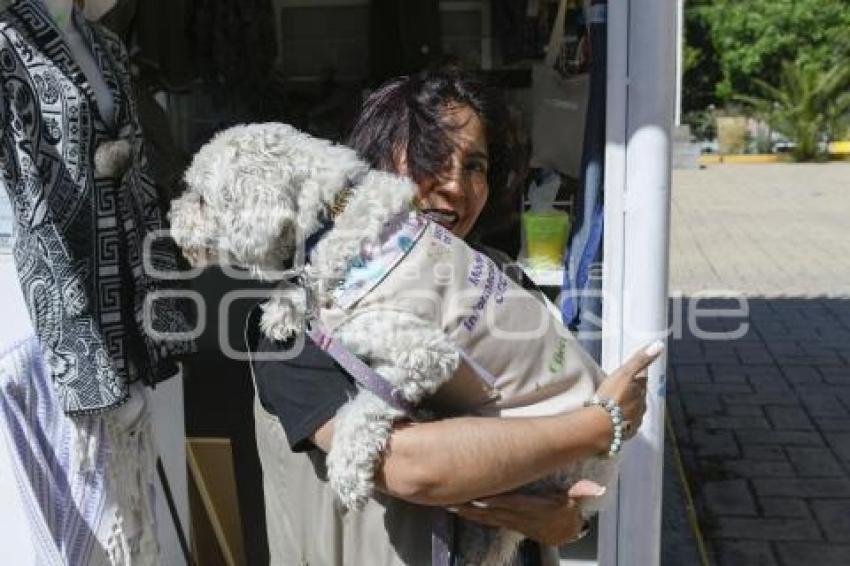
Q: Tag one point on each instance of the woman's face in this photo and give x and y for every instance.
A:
(456, 197)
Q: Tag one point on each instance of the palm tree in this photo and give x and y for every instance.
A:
(808, 105)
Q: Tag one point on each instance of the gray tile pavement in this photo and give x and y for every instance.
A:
(763, 421)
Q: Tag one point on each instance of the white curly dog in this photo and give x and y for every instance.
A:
(437, 320)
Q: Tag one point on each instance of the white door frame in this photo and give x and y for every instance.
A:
(640, 108)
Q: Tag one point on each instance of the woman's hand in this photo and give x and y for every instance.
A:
(553, 519)
(626, 386)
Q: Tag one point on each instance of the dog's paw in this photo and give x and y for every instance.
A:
(362, 429)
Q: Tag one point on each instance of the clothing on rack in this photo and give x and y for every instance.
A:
(83, 206)
(581, 306)
(156, 33)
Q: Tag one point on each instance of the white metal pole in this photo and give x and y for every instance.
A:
(680, 59)
(641, 99)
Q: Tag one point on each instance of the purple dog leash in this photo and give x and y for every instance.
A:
(356, 368)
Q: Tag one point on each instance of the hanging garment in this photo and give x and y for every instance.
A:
(156, 33)
(28, 495)
(83, 484)
(39, 444)
(560, 106)
(83, 209)
(581, 306)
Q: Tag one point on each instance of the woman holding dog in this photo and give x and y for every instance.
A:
(448, 133)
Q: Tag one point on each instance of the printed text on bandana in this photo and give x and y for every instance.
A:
(493, 286)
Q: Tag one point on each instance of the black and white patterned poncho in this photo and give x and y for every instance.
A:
(79, 232)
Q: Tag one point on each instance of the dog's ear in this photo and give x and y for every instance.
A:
(258, 186)
(261, 231)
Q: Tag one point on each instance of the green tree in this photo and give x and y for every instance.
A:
(701, 64)
(808, 105)
(749, 39)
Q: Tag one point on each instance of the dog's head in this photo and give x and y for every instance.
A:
(255, 191)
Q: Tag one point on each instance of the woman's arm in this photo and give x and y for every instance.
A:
(457, 460)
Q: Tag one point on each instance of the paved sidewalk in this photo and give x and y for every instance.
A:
(763, 421)
(762, 229)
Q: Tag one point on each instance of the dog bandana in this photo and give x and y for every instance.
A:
(509, 339)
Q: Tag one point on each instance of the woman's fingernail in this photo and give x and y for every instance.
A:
(479, 504)
(452, 509)
(654, 349)
(601, 491)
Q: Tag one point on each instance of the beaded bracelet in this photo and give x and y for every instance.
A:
(616, 415)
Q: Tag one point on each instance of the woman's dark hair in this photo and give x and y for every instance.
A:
(408, 115)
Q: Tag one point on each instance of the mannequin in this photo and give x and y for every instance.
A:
(72, 388)
(74, 170)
